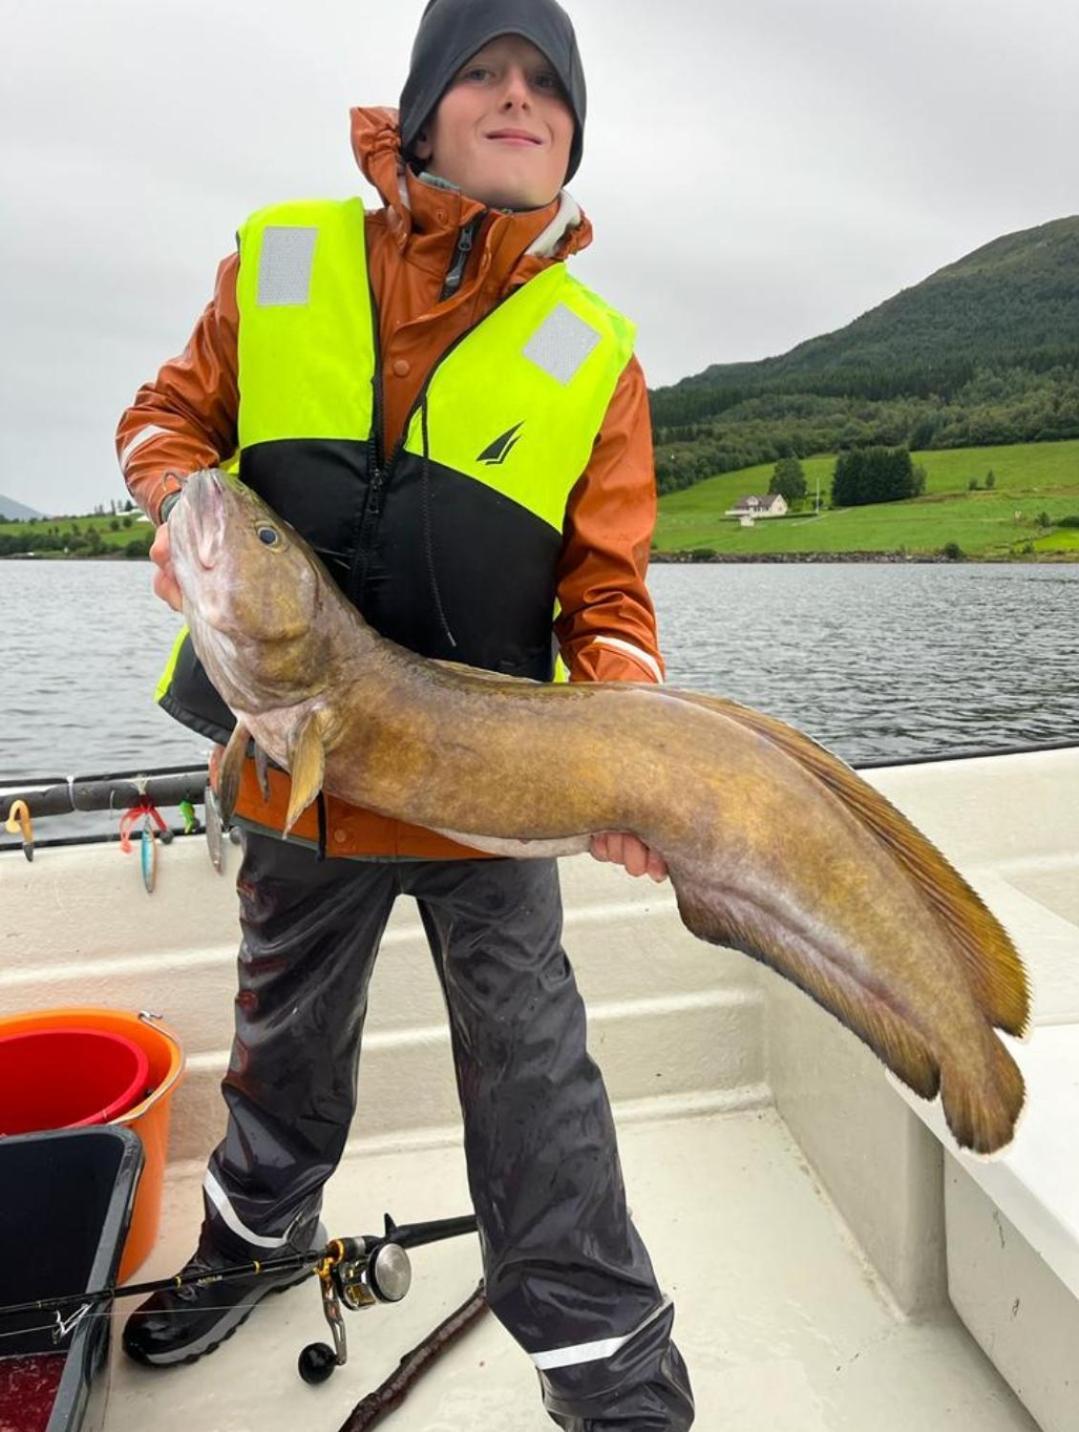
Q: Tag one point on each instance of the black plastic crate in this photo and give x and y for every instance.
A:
(65, 1207)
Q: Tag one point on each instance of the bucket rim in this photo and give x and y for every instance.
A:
(143, 1016)
(154, 1021)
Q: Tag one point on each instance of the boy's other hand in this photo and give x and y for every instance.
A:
(165, 584)
(625, 849)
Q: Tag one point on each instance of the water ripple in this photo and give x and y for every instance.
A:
(876, 662)
(881, 661)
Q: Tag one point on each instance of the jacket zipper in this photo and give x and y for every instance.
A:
(456, 271)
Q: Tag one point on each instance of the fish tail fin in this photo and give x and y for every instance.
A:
(982, 1104)
(982, 1099)
(994, 969)
(884, 1029)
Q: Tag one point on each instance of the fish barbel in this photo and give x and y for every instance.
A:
(774, 847)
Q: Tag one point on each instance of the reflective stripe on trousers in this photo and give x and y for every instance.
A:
(566, 1271)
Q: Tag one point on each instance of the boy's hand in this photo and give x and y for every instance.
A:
(165, 584)
(625, 849)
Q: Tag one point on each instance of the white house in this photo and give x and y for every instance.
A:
(774, 504)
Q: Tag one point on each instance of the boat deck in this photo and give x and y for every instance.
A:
(835, 1265)
(783, 1323)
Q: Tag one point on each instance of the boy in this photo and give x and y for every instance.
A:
(461, 431)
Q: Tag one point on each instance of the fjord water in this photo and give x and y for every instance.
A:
(877, 661)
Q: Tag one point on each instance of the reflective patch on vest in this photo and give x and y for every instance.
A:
(285, 266)
(561, 344)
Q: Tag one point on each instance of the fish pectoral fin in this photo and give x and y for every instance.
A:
(262, 770)
(231, 769)
(307, 766)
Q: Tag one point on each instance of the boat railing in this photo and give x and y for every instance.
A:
(171, 787)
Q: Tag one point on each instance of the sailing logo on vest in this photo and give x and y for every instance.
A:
(500, 449)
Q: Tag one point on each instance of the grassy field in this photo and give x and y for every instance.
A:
(1031, 479)
(112, 543)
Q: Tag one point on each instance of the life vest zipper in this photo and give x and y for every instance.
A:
(381, 473)
(357, 576)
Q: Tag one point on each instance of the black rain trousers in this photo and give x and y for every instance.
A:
(566, 1272)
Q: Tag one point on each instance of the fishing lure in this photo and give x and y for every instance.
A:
(148, 856)
(153, 824)
(18, 822)
(215, 831)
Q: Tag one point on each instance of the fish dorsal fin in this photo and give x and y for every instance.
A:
(994, 968)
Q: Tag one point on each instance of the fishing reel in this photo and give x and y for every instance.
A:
(358, 1273)
(354, 1272)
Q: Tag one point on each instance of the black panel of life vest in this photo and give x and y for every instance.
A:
(319, 486)
(193, 699)
(455, 550)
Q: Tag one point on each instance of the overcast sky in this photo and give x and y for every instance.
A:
(757, 174)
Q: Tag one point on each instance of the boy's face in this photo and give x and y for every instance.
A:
(502, 131)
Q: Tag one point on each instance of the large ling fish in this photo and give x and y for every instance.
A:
(774, 847)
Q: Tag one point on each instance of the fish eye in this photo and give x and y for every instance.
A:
(268, 536)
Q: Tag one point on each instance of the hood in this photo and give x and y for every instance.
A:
(426, 219)
(452, 30)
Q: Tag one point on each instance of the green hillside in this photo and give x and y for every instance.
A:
(122, 535)
(983, 352)
(1031, 480)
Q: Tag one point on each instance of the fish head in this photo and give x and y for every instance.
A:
(253, 593)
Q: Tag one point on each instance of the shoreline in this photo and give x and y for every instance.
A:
(119, 556)
(894, 558)
(692, 558)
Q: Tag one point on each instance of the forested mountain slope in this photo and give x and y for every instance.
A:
(985, 350)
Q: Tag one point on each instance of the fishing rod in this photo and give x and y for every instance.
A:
(358, 1273)
(172, 785)
(136, 795)
(67, 795)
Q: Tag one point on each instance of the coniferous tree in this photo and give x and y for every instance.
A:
(873, 474)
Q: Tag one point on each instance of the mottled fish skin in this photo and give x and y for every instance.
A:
(774, 847)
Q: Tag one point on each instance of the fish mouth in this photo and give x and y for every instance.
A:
(205, 494)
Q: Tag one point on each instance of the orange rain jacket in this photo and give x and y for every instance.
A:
(186, 420)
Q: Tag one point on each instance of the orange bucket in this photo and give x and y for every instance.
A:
(149, 1118)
